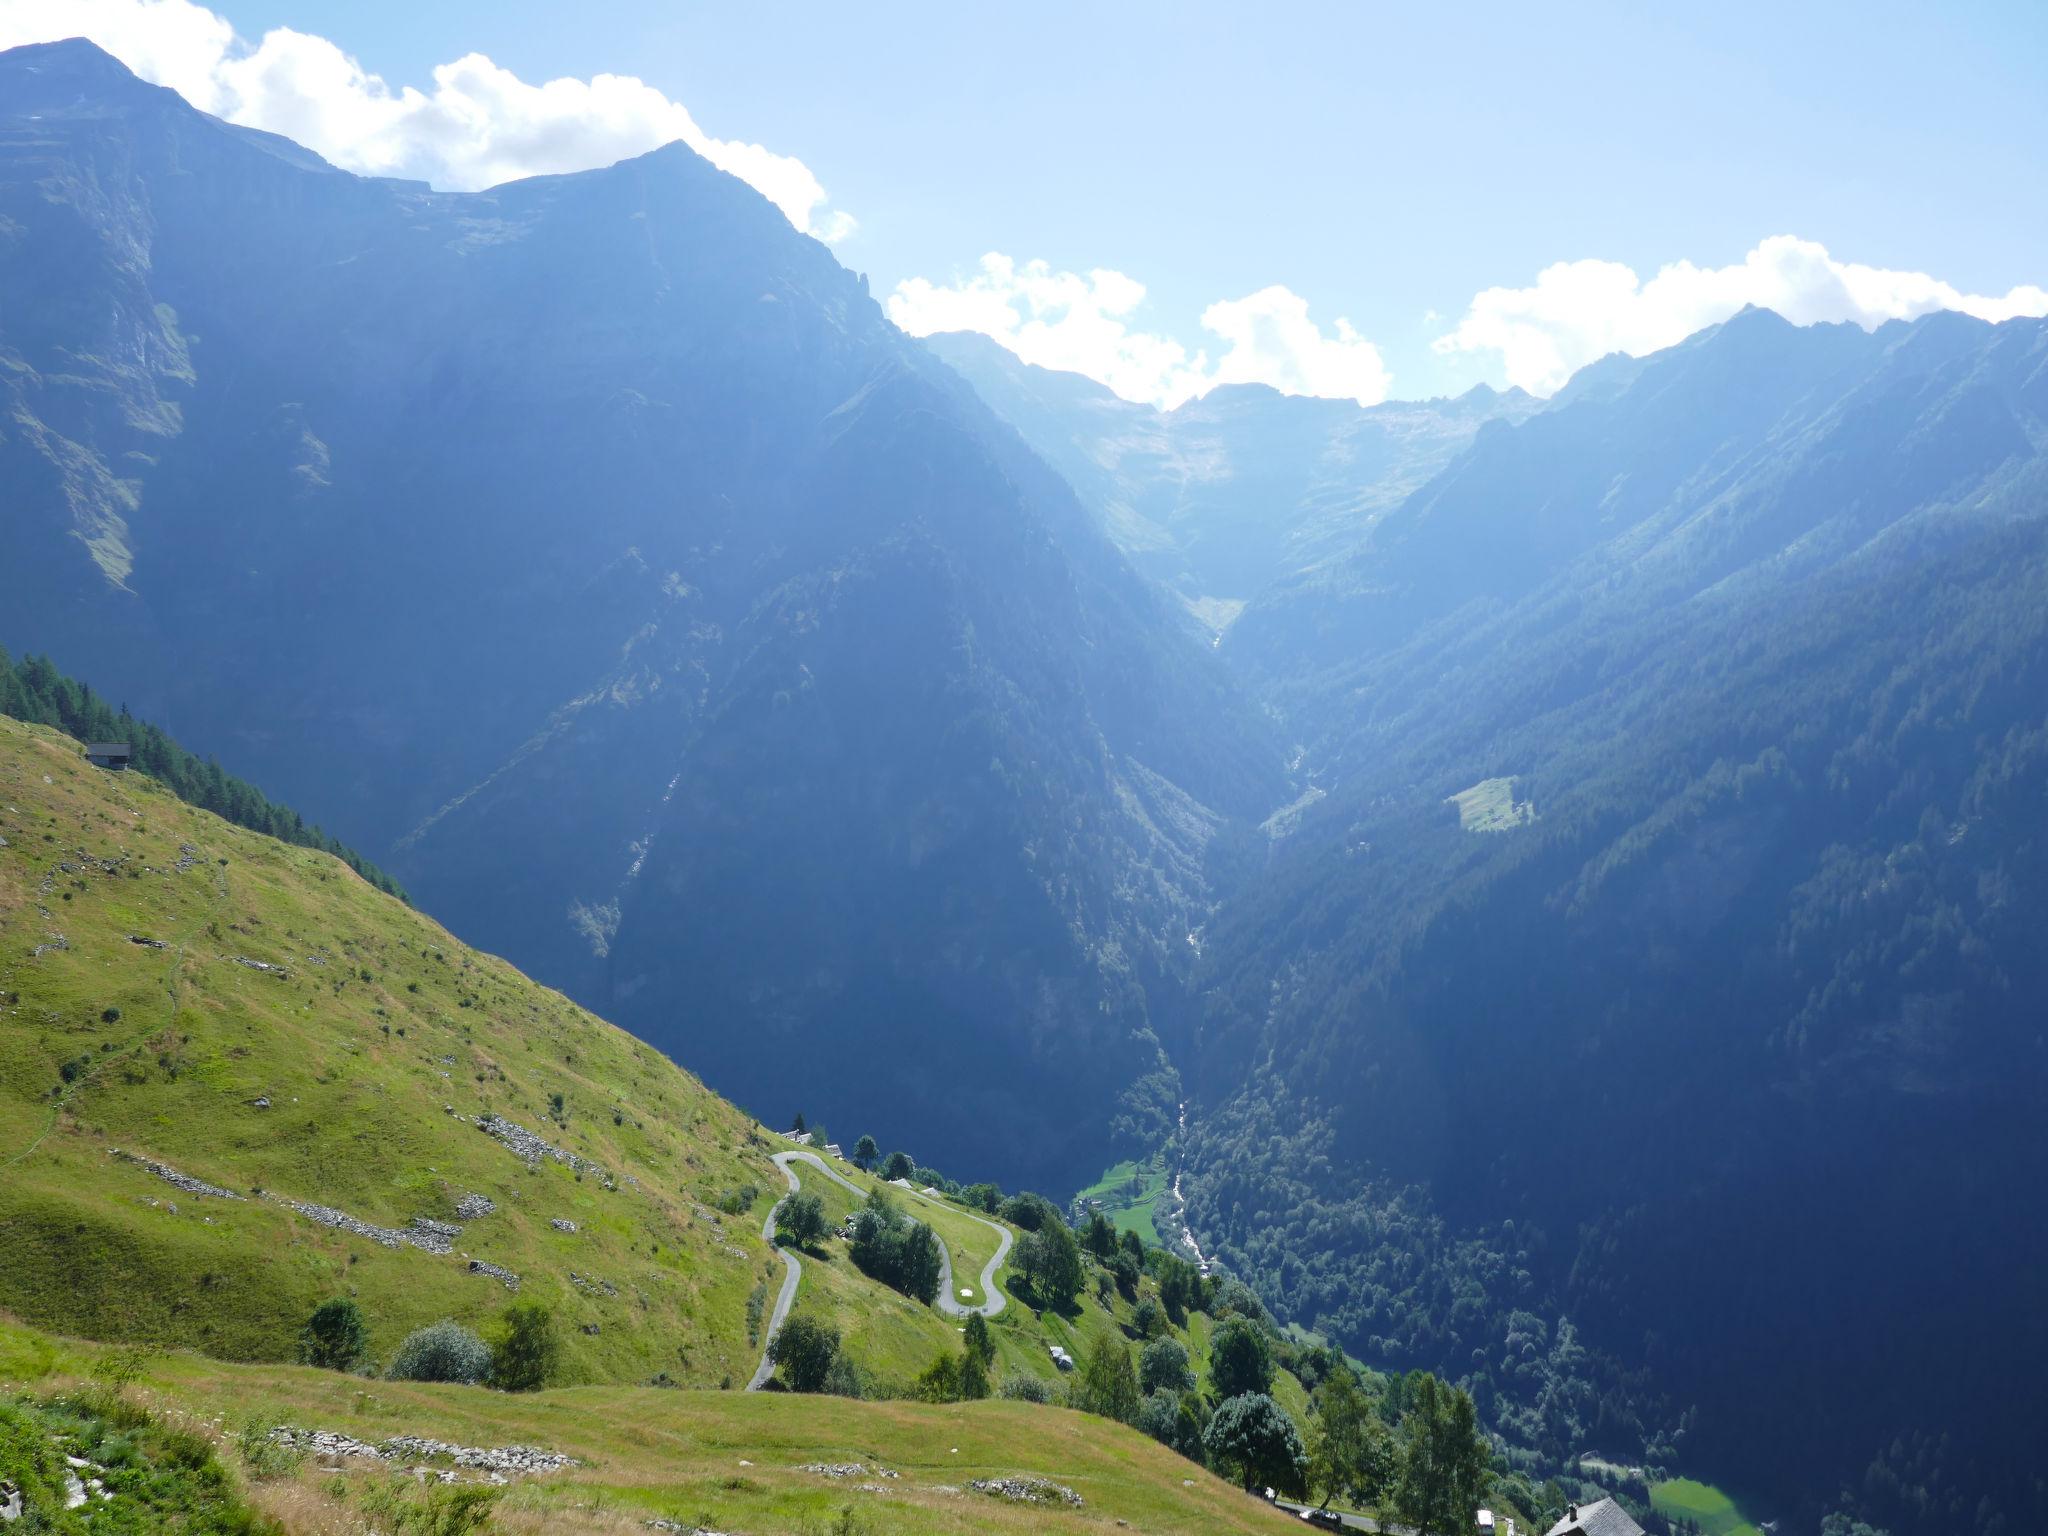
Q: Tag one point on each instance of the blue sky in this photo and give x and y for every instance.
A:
(1376, 163)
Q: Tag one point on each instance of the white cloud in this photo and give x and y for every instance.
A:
(1577, 311)
(1080, 323)
(479, 125)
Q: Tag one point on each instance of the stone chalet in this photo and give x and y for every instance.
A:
(1603, 1517)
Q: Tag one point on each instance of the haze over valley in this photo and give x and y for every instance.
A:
(1427, 946)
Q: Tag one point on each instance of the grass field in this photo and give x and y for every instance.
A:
(727, 1461)
(1491, 806)
(1129, 1195)
(1712, 1509)
(134, 1017)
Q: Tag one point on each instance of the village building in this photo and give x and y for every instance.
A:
(1603, 1517)
(111, 755)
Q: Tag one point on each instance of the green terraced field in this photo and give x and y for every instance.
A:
(1712, 1509)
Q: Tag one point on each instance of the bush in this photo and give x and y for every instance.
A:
(1020, 1388)
(844, 1378)
(1175, 1420)
(1163, 1367)
(1108, 1386)
(444, 1351)
(526, 1350)
(739, 1201)
(803, 1350)
(335, 1337)
(895, 1250)
(1031, 1212)
(1252, 1437)
(1240, 1359)
(1050, 1260)
(939, 1382)
(264, 1455)
(800, 1220)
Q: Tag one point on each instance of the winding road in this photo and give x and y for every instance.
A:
(946, 1300)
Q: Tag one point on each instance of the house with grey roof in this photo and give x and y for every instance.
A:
(1603, 1517)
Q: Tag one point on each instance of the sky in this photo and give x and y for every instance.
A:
(1363, 200)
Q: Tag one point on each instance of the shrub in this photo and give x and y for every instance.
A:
(895, 1250)
(1240, 1359)
(803, 1350)
(1252, 1436)
(800, 1221)
(265, 1455)
(335, 1338)
(1108, 1386)
(1164, 1367)
(844, 1378)
(1020, 1388)
(939, 1382)
(526, 1349)
(444, 1351)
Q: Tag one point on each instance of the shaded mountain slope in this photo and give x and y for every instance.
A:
(559, 541)
(1717, 1038)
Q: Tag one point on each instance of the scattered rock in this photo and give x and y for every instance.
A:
(592, 1285)
(1027, 1490)
(434, 1236)
(265, 966)
(561, 1224)
(470, 1207)
(511, 1281)
(592, 1329)
(261, 1101)
(147, 943)
(844, 1469)
(412, 1448)
(531, 1148)
(177, 1180)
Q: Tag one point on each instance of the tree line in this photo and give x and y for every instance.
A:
(33, 690)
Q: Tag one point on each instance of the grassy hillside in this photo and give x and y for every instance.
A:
(138, 1022)
(236, 1081)
(725, 1461)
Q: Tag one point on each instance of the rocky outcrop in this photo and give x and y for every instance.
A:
(513, 1459)
(1027, 1490)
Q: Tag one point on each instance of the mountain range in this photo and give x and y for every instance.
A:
(1574, 864)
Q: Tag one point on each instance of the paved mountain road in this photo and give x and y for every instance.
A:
(946, 1300)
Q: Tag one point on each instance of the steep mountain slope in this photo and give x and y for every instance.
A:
(1241, 488)
(236, 1081)
(1662, 954)
(240, 1080)
(203, 1026)
(593, 551)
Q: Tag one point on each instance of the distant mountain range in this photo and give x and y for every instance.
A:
(1230, 493)
(1579, 860)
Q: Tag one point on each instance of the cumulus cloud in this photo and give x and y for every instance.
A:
(1081, 323)
(479, 125)
(1577, 311)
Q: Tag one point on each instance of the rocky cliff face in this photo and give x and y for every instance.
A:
(595, 550)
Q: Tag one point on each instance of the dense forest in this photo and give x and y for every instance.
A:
(1670, 1093)
(34, 690)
